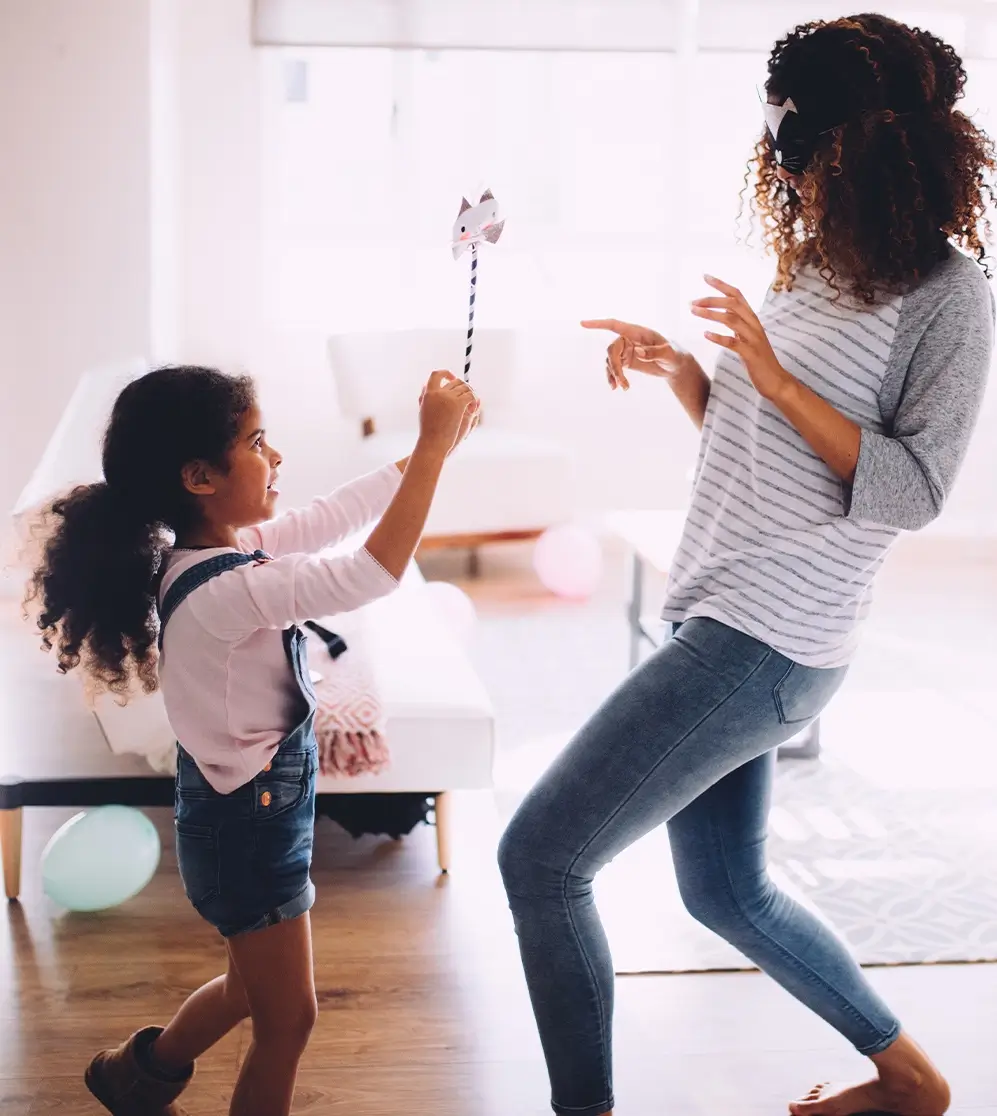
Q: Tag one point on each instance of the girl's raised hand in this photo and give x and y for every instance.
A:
(443, 412)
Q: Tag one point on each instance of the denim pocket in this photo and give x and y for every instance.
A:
(284, 786)
(198, 861)
(802, 693)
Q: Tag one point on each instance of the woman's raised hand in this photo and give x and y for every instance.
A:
(638, 349)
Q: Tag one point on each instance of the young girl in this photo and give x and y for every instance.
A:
(836, 418)
(185, 454)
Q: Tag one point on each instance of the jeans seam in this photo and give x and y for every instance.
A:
(581, 852)
(598, 999)
(805, 970)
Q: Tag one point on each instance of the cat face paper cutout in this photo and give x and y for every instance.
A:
(476, 224)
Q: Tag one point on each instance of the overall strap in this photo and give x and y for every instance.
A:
(196, 576)
(335, 644)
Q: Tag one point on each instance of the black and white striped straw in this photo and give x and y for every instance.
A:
(470, 312)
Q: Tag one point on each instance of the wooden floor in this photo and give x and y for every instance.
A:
(422, 1003)
(423, 1007)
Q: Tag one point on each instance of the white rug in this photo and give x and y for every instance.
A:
(894, 849)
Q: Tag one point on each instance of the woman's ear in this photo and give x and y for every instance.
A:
(196, 477)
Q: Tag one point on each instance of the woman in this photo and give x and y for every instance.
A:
(836, 418)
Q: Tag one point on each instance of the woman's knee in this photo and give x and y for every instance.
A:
(724, 906)
(513, 856)
(526, 871)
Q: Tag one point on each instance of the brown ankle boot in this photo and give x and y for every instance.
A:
(122, 1084)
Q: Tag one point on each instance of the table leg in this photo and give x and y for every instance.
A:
(441, 807)
(635, 607)
(10, 839)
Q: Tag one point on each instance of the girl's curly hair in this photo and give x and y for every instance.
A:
(102, 544)
(898, 170)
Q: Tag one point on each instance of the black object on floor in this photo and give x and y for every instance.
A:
(393, 815)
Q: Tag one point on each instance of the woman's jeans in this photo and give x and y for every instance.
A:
(687, 739)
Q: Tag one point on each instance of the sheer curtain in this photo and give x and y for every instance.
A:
(620, 173)
(364, 180)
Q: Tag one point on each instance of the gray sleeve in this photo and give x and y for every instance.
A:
(904, 476)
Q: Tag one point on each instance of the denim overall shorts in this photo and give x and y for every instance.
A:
(245, 857)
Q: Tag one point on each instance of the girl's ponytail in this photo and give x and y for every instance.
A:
(103, 544)
(97, 586)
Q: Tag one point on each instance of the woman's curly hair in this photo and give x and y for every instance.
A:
(898, 170)
(102, 544)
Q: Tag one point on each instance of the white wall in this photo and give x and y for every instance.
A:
(74, 208)
(221, 312)
(165, 228)
(219, 169)
(129, 216)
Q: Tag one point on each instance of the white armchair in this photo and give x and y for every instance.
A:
(503, 484)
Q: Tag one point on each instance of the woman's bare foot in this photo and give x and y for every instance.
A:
(908, 1085)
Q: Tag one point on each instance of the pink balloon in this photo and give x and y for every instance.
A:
(568, 561)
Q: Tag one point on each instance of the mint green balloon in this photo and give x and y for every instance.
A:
(100, 858)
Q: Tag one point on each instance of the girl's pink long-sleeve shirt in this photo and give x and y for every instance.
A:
(229, 692)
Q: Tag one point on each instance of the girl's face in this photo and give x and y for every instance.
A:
(250, 488)
(246, 493)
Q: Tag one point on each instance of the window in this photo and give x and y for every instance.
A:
(619, 174)
(364, 180)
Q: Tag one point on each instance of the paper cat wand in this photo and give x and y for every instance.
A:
(475, 224)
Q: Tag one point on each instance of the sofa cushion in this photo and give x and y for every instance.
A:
(440, 723)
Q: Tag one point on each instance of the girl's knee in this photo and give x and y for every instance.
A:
(235, 995)
(288, 1024)
(305, 1017)
(302, 1017)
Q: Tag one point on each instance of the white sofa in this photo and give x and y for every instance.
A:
(440, 726)
(440, 730)
(503, 484)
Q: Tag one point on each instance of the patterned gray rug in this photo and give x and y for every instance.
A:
(905, 877)
(906, 874)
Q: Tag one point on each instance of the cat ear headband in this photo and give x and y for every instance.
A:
(793, 139)
(794, 143)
